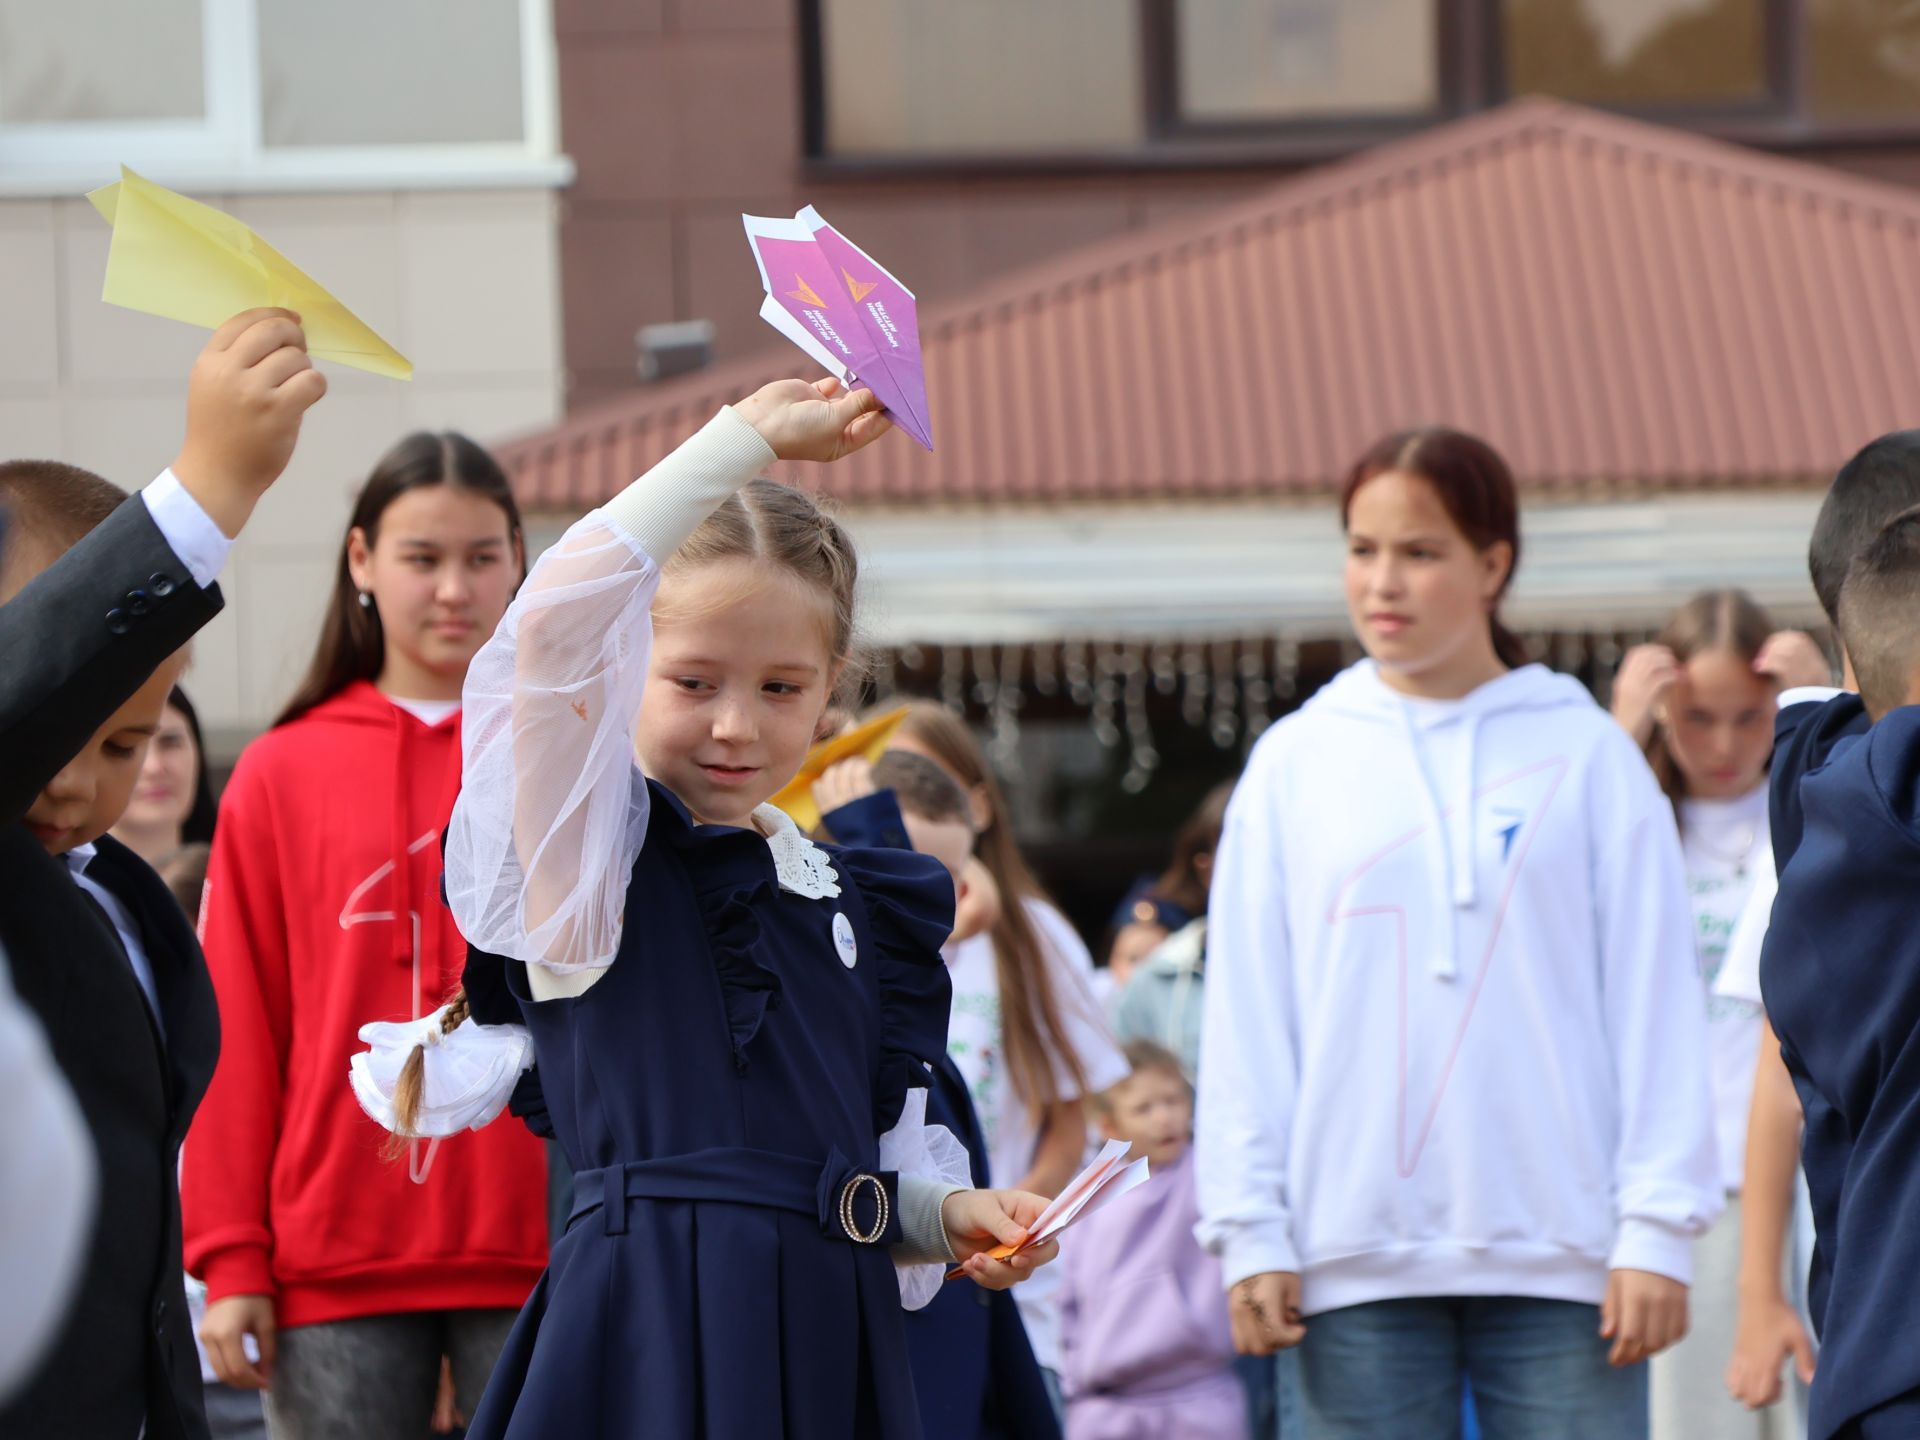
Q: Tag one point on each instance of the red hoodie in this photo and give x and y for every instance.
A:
(285, 1190)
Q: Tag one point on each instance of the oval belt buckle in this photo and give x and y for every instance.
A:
(848, 1194)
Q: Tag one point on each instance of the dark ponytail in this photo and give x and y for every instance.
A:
(351, 645)
(1475, 488)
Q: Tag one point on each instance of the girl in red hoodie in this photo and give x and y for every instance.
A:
(352, 1275)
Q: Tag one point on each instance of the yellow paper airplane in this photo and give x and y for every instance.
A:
(869, 740)
(182, 260)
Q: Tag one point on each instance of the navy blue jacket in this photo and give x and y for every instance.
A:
(1804, 736)
(1841, 977)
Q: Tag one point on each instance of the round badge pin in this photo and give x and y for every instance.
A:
(844, 942)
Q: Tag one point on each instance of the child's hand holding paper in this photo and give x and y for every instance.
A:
(989, 1231)
(1106, 1179)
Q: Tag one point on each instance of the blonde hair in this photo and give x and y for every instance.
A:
(1144, 1057)
(772, 524)
(764, 522)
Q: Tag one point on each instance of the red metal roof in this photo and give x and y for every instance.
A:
(1609, 302)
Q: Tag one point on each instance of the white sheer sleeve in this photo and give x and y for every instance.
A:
(552, 810)
(932, 1164)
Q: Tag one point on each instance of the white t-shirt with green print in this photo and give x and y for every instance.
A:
(1726, 847)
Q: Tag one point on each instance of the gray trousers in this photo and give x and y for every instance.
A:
(376, 1378)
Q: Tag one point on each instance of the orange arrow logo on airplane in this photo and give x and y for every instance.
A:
(859, 289)
(805, 294)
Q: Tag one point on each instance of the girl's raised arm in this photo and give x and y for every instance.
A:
(552, 809)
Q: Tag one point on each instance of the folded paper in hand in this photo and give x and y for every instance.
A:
(845, 309)
(182, 260)
(1104, 1181)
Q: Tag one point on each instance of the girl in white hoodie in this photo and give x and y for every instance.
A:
(1454, 1120)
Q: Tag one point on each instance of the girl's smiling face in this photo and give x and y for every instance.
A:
(740, 675)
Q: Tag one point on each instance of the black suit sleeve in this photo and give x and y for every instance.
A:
(81, 638)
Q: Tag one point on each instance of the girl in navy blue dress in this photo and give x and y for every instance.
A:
(731, 1023)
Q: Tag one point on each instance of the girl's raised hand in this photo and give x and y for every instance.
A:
(814, 422)
(1641, 683)
(980, 1220)
(1793, 658)
(843, 784)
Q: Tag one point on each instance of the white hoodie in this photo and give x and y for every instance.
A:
(1455, 1037)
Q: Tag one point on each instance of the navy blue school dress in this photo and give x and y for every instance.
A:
(724, 1273)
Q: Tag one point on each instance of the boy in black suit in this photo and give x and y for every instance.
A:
(100, 591)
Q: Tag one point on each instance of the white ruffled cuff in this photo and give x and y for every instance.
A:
(929, 1153)
(466, 1078)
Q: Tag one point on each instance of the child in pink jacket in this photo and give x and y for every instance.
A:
(1147, 1348)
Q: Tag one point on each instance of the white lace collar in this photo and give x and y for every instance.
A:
(802, 866)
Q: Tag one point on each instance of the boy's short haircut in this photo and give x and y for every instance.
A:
(922, 788)
(1878, 483)
(51, 507)
(1879, 613)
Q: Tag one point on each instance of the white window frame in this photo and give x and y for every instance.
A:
(224, 152)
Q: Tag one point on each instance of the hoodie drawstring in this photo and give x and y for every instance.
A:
(1466, 879)
(1454, 855)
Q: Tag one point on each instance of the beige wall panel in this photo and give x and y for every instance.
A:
(29, 300)
(479, 283)
(31, 429)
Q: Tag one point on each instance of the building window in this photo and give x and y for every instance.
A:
(1863, 61)
(54, 69)
(1306, 59)
(1638, 54)
(1167, 82)
(245, 94)
(442, 73)
(932, 77)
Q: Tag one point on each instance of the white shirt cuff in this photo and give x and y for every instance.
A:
(1808, 695)
(188, 530)
(1656, 1248)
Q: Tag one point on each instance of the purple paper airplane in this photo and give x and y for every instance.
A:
(844, 309)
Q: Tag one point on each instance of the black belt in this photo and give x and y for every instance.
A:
(849, 1203)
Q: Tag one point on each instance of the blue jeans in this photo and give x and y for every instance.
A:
(1394, 1370)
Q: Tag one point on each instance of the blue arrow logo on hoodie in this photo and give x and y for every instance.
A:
(1509, 831)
